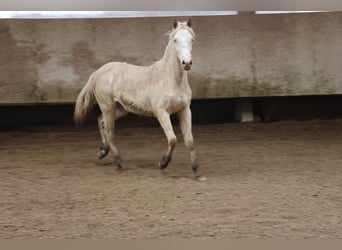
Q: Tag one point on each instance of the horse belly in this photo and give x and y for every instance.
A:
(136, 105)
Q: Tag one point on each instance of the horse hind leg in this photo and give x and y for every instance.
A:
(107, 126)
(104, 149)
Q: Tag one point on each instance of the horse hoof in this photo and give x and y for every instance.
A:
(162, 166)
(201, 178)
(103, 152)
(120, 166)
(119, 162)
(119, 169)
(164, 161)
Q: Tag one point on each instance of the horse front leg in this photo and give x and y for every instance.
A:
(165, 122)
(184, 117)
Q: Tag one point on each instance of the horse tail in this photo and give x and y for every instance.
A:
(85, 102)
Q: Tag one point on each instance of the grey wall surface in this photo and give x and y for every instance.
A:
(49, 61)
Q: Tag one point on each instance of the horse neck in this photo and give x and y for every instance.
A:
(171, 65)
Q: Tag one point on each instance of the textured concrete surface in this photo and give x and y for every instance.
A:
(49, 61)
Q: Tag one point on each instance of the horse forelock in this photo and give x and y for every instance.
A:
(180, 26)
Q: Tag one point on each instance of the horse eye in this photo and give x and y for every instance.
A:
(174, 40)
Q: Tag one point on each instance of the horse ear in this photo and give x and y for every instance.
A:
(174, 24)
(189, 22)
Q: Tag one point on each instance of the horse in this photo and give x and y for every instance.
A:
(158, 90)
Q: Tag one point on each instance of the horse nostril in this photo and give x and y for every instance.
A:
(183, 62)
(190, 62)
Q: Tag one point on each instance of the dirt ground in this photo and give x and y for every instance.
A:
(264, 180)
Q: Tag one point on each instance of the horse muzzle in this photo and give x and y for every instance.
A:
(187, 65)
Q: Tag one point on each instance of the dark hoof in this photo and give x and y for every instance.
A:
(195, 168)
(199, 176)
(164, 161)
(118, 161)
(103, 152)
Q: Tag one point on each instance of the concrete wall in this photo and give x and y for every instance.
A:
(49, 61)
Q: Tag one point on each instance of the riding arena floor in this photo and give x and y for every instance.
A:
(280, 180)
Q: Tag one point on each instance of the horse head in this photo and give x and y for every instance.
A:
(183, 37)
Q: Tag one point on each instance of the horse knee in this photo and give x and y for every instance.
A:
(173, 141)
(189, 144)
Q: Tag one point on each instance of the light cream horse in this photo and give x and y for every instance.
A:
(159, 90)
